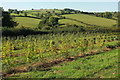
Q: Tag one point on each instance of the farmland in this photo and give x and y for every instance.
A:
(71, 22)
(27, 22)
(91, 19)
(37, 51)
(92, 67)
(72, 45)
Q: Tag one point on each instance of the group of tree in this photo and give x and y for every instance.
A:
(7, 20)
(48, 22)
(66, 11)
(15, 11)
(108, 15)
(25, 14)
(72, 11)
(89, 13)
(105, 15)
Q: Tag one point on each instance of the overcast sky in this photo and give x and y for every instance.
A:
(59, 0)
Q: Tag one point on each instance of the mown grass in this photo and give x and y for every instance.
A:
(103, 65)
(27, 22)
(92, 19)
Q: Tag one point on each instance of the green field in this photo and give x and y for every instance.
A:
(91, 19)
(27, 22)
(71, 22)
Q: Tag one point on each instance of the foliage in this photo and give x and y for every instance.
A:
(42, 23)
(7, 20)
(53, 20)
(10, 10)
(45, 48)
(108, 15)
(25, 14)
(21, 31)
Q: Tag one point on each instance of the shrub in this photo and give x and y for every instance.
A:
(42, 23)
(53, 21)
(46, 28)
(25, 14)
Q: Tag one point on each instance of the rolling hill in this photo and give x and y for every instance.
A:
(91, 19)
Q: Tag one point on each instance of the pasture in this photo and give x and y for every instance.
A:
(70, 22)
(27, 22)
(91, 20)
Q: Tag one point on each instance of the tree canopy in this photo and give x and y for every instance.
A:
(7, 20)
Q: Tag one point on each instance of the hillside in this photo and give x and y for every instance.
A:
(95, 66)
(91, 19)
(71, 22)
(27, 22)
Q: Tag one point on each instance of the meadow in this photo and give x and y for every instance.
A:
(83, 49)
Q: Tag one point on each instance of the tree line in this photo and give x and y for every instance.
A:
(108, 15)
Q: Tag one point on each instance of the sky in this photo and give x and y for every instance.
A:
(59, 0)
(37, 4)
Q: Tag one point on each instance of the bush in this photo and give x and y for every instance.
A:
(21, 31)
(69, 29)
(53, 21)
(42, 23)
(46, 28)
(25, 14)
